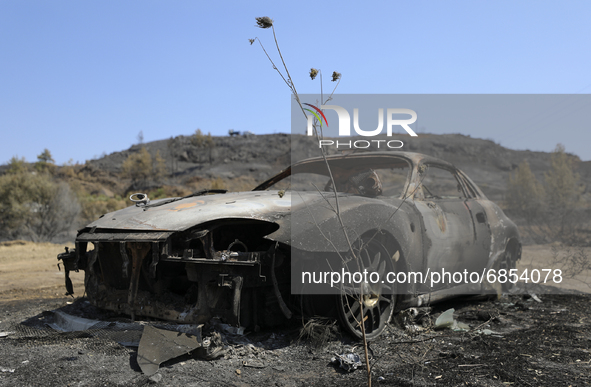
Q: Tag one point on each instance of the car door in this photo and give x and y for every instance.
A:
(450, 218)
(481, 248)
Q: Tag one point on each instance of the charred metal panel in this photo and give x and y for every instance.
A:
(159, 345)
(146, 278)
(359, 215)
(502, 230)
(448, 226)
(183, 214)
(482, 231)
(122, 236)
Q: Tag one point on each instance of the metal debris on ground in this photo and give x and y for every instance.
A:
(160, 345)
(226, 328)
(253, 364)
(67, 323)
(212, 347)
(414, 320)
(488, 332)
(349, 362)
(459, 326)
(445, 320)
(535, 297)
(128, 334)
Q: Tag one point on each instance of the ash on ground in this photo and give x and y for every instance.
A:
(516, 340)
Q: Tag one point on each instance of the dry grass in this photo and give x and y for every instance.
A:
(29, 270)
(542, 257)
(318, 331)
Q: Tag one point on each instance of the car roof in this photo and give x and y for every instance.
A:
(356, 160)
(413, 157)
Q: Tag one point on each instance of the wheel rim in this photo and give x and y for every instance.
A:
(508, 263)
(377, 302)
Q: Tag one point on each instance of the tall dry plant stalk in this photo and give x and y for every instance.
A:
(266, 22)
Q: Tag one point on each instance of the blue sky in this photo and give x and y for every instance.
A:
(85, 77)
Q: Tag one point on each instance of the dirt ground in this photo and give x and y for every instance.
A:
(513, 341)
(29, 270)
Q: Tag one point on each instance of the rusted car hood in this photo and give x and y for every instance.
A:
(185, 213)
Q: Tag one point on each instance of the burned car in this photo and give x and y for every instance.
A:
(244, 256)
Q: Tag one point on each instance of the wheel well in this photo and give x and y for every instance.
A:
(514, 246)
(391, 244)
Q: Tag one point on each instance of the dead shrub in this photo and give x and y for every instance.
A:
(319, 331)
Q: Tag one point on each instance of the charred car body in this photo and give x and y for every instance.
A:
(238, 256)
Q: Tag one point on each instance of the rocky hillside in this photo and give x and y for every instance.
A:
(253, 158)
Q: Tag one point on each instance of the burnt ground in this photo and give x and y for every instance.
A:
(513, 341)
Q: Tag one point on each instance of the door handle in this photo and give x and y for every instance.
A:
(480, 217)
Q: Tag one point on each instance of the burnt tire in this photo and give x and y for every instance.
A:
(375, 301)
(508, 262)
